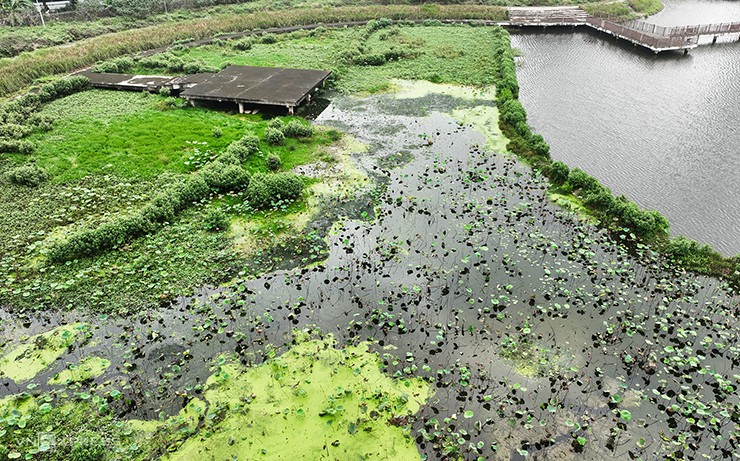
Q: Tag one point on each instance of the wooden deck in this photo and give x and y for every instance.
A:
(256, 87)
(653, 37)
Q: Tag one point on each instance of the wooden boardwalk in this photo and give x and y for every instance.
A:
(651, 36)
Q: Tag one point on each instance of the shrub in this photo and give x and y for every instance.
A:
(273, 162)
(267, 39)
(600, 199)
(274, 137)
(244, 44)
(579, 179)
(251, 142)
(689, 252)
(276, 123)
(539, 146)
(197, 67)
(217, 132)
(225, 177)
(377, 24)
(117, 65)
(268, 190)
(512, 112)
(558, 173)
(296, 129)
(14, 131)
(17, 145)
(216, 220)
(165, 92)
(377, 59)
(334, 135)
(42, 122)
(244, 147)
(27, 175)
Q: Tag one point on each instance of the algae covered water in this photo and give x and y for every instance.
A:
(507, 327)
(662, 130)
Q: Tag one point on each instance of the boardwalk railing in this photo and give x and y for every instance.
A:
(649, 39)
(684, 31)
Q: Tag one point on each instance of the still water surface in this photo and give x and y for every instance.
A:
(663, 130)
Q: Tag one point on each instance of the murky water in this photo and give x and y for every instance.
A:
(526, 320)
(663, 130)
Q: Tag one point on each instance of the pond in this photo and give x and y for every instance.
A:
(663, 130)
(538, 333)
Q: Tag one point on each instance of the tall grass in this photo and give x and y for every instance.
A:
(21, 71)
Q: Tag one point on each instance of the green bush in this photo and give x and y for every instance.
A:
(118, 65)
(274, 137)
(165, 92)
(579, 179)
(377, 24)
(196, 67)
(512, 112)
(14, 131)
(267, 39)
(27, 175)
(558, 173)
(296, 129)
(217, 132)
(377, 59)
(689, 252)
(14, 145)
(273, 162)
(244, 147)
(539, 146)
(270, 190)
(276, 124)
(244, 44)
(216, 220)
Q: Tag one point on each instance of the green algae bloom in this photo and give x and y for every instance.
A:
(313, 401)
(36, 353)
(87, 368)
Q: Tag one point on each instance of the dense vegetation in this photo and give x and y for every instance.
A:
(132, 172)
(19, 72)
(89, 19)
(631, 9)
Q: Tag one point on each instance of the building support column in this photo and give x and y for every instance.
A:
(291, 110)
(241, 107)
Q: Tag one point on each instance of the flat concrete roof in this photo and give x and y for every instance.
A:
(258, 85)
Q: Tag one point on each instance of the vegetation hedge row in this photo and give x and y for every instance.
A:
(18, 118)
(647, 225)
(19, 72)
(225, 174)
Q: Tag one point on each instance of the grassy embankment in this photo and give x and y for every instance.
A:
(107, 155)
(631, 9)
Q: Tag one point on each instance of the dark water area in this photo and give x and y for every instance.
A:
(544, 327)
(663, 130)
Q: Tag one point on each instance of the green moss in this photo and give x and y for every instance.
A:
(36, 353)
(87, 368)
(312, 401)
